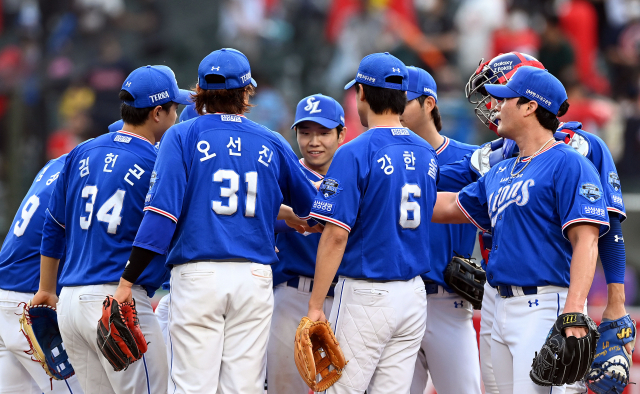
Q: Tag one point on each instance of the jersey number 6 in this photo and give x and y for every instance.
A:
(250, 178)
(407, 206)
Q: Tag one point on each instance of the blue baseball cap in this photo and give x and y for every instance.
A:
(321, 109)
(230, 63)
(420, 83)
(374, 69)
(154, 85)
(535, 84)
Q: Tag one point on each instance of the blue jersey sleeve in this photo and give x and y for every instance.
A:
(169, 176)
(455, 176)
(155, 232)
(612, 190)
(53, 230)
(472, 201)
(297, 190)
(339, 196)
(579, 193)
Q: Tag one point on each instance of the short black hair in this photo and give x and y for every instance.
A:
(137, 116)
(546, 118)
(435, 112)
(382, 100)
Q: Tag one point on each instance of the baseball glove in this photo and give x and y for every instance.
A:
(467, 279)
(565, 360)
(609, 372)
(39, 325)
(315, 349)
(119, 337)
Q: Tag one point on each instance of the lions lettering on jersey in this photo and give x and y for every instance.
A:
(528, 215)
(372, 185)
(20, 255)
(98, 201)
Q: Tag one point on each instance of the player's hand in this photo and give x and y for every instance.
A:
(302, 226)
(316, 315)
(123, 292)
(45, 298)
(577, 332)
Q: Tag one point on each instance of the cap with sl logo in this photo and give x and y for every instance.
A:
(374, 70)
(535, 84)
(421, 83)
(154, 85)
(229, 63)
(321, 109)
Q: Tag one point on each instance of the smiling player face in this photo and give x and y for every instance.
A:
(318, 144)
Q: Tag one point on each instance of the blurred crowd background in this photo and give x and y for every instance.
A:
(62, 64)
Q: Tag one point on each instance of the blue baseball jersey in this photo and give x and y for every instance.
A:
(445, 239)
(189, 112)
(20, 254)
(381, 187)
(221, 178)
(116, 126)
(297, 251)
(98, 203)
(529, 212)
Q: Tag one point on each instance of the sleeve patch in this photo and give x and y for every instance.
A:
(617, 200)
(591, 192)
(614, 181)
(590, 210)
(324, 207)
(330, 187)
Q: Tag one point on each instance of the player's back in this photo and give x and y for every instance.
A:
(99, 201)
(232, 176)
(20, 254)
(389, 210)
(445, 239)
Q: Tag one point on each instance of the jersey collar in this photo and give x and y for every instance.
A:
(310, 170)
(134, 135)
(444, 145)
(542, 151)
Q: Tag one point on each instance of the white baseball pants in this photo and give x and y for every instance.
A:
(290, 305)
(219, 319)
(520, 327)
(79, 310)
(486, 326)
(162, 313)
(19, 374)
(380, 326)
(449, 346)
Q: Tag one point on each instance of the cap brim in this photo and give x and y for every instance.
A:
(183, 97)
(501, 91)
(412, 95)
(350, 84)
(254, 83)
(328, 123)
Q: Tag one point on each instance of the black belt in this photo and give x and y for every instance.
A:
(295, 282)
(432, 288)
(507, 291)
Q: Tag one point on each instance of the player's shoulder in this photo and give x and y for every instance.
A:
(380, 137)
(121, 143)
(461, 147)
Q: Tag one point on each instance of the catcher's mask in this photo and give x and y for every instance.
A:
(497, 70)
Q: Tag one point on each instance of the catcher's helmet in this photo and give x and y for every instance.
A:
(497, 70)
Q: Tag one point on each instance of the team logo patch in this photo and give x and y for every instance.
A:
(122, 138)
(614, 181)
(325, 207)
(399, 132)
(590, 191)
(617, 200)
(330, 187)
(154, 178)
(231, 118)
(590, 210)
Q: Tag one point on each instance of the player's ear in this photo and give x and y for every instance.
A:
(360, 94)
(530, 108)
(154, 114)
(342, 135)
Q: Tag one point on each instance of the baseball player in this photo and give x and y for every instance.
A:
(319, 126)
(376, 199)
(218, 185)
(457, 175)
(548, 189)
(95, 211)
(450, 324)
(19, 276)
